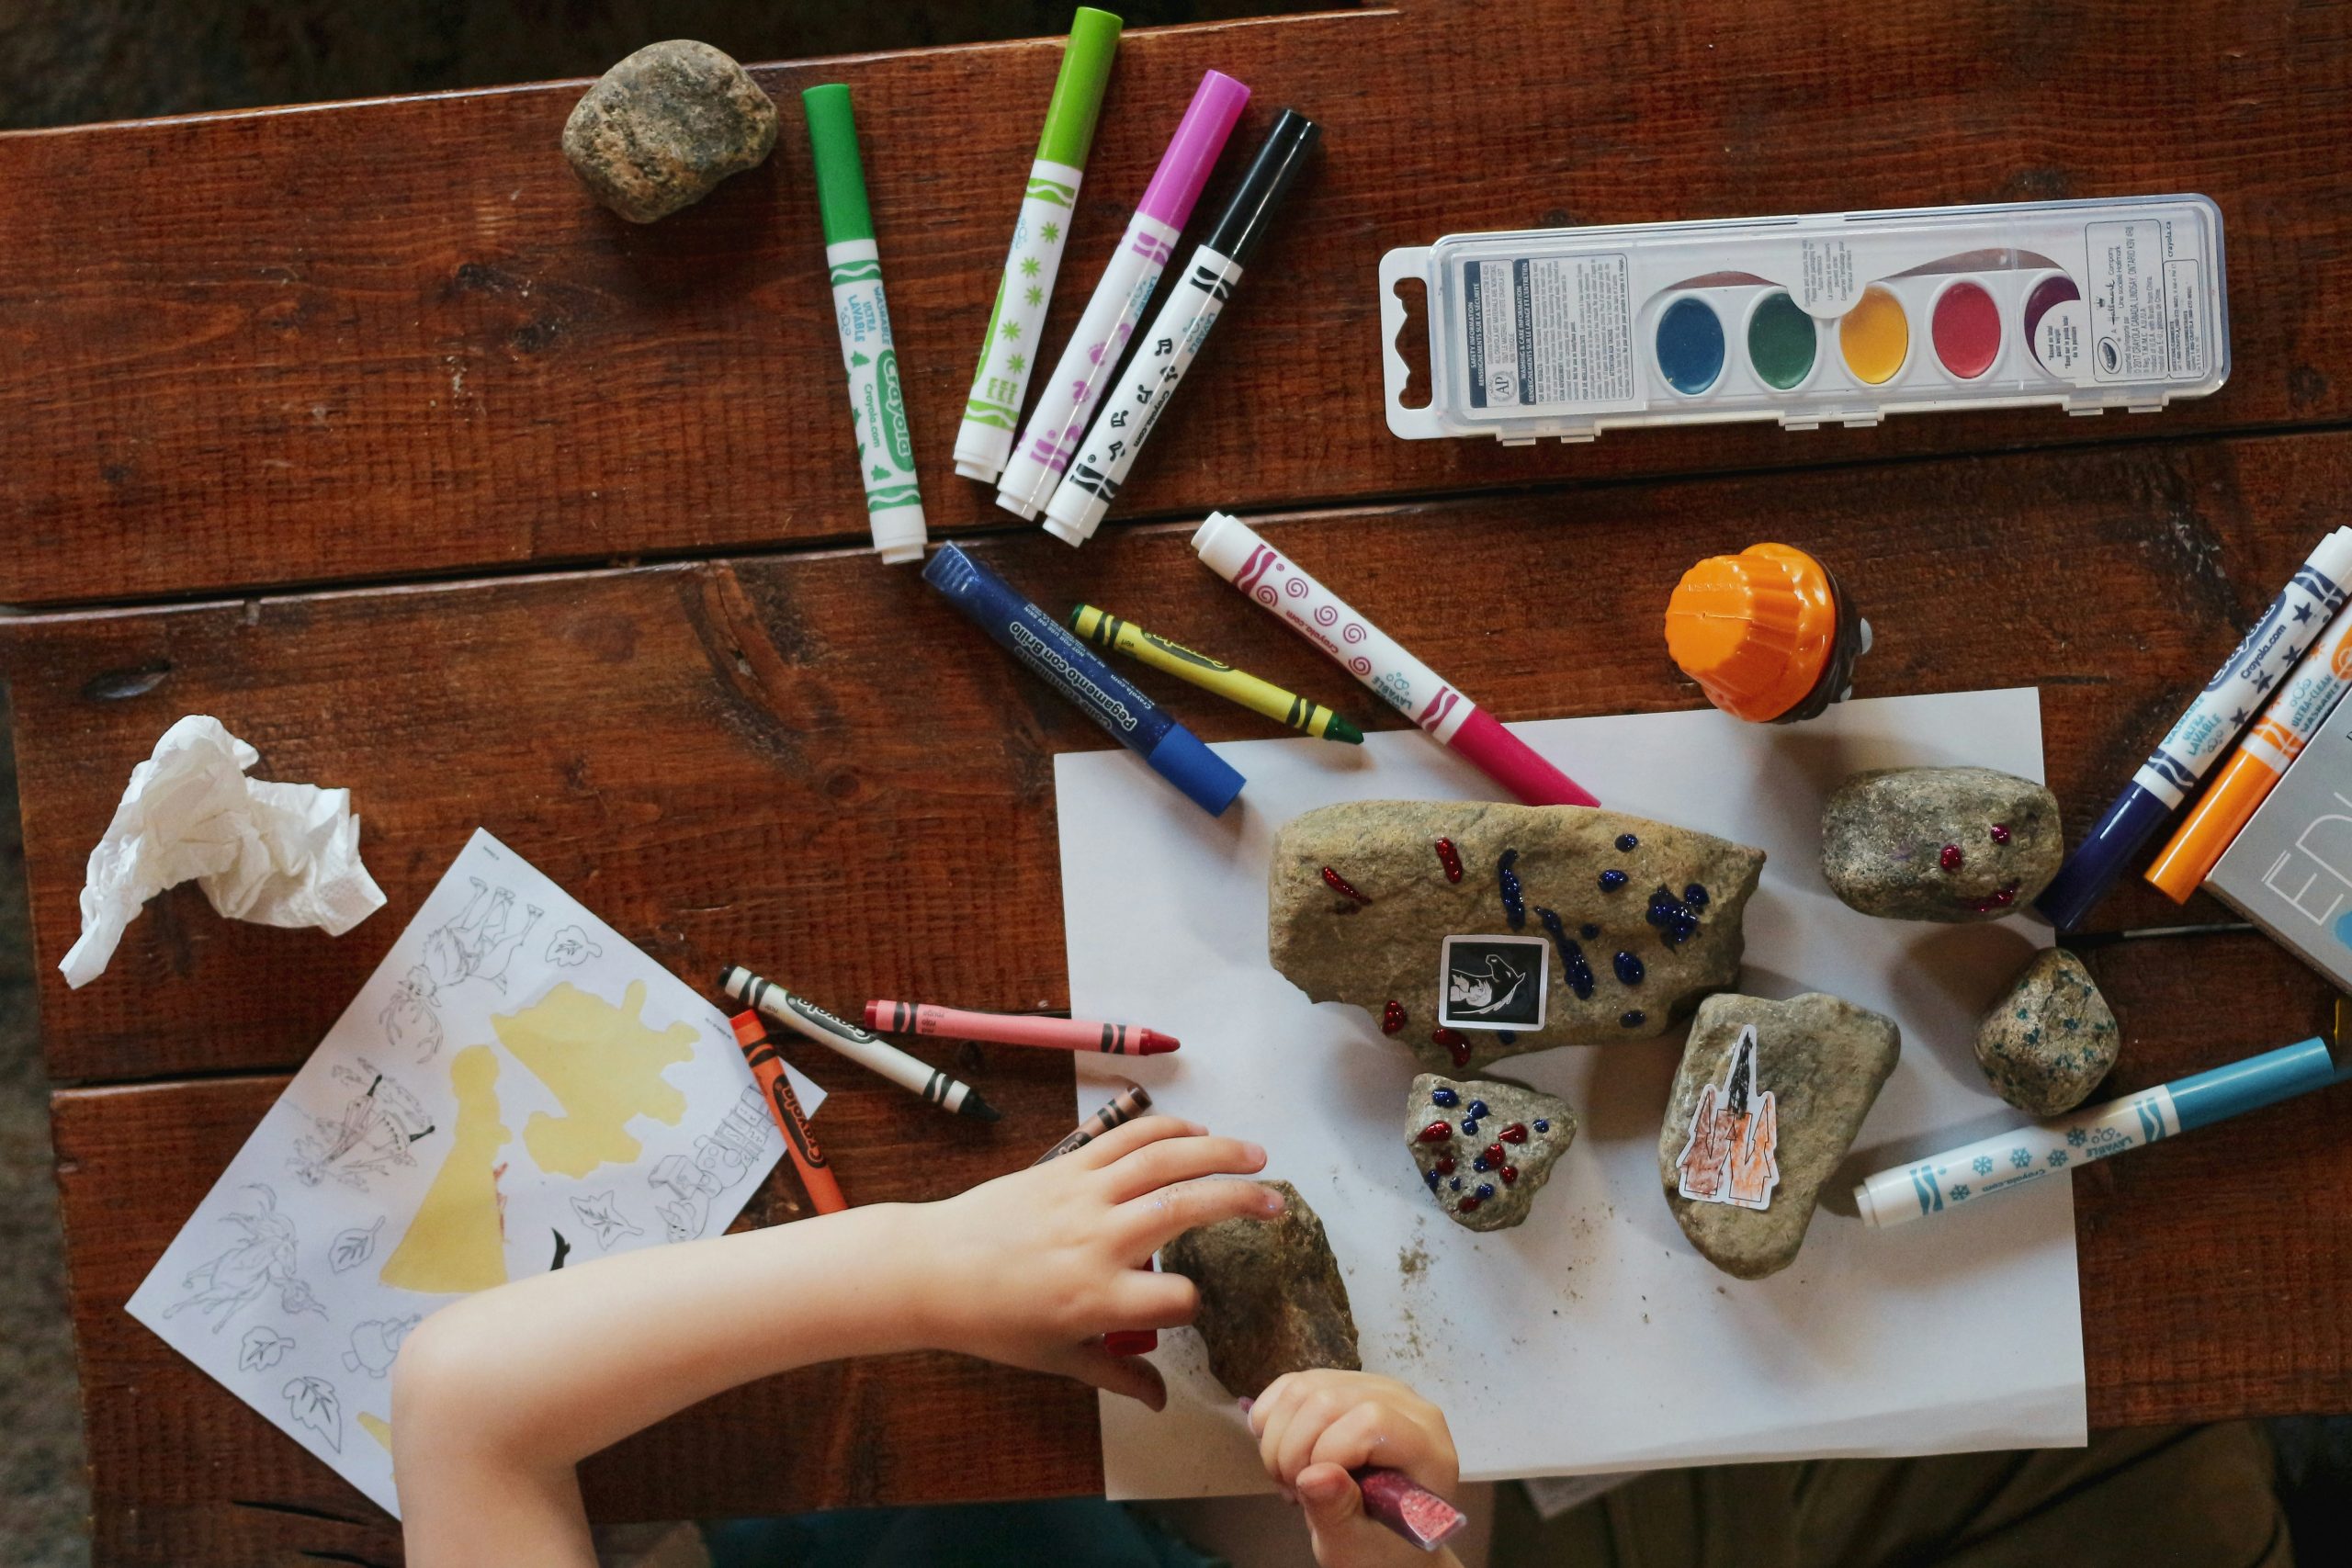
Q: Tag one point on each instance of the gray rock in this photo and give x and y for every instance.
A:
(1386, 945)
(2046, 1044)
(1951, 844)
(1821, 1061)
(1272, 1299)
(661, 129)
(1487, 1168)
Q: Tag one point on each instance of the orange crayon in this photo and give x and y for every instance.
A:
(815, 1175)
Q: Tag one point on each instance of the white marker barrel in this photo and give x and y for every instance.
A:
(1017, 324)
(877, 403)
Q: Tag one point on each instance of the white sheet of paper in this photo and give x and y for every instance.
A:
(273, 1286)
(1592, 1337)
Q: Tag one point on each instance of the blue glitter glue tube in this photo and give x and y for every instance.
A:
(1067, 665)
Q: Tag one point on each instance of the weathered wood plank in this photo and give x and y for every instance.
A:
(811, 762)
(383, 339)
(2205, 1294)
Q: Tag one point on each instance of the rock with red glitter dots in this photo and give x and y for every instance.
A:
(1947, 844)
(1677, 919)
(1500, 1170)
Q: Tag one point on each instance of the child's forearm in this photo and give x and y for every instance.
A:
(513, 1387)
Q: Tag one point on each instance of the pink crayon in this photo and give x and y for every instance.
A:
(1067, 398)
(1232, 549)
(1017, 1029)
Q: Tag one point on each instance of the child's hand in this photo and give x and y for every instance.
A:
(1034, 1267)
(1314, 1427)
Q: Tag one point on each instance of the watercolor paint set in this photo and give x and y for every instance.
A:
(1834, 318)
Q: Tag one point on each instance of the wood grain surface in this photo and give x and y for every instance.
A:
(377, 340)
(360, 428)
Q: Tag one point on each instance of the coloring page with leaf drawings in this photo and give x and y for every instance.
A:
(515, 1087)
(1592, 1337)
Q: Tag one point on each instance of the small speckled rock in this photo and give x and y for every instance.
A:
(661, 129)
(1951, 845)
(1634, 920)
(2046, 1044)
(1500, 1142)
(1272, 1299)
(1790, 1111)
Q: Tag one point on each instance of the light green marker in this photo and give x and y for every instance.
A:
(992, 409)
(877, 403)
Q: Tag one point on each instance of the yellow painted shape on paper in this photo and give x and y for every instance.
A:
(458, 1241)
(377, 1428)
(604, 1066)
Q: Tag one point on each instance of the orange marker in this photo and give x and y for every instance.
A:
(2277, 737)
(1766, 634)
(815, 1175)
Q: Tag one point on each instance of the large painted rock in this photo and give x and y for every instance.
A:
(1485, 1147)
(1765, 1105)
(1949, 844)
(1272, 1299)
(1475, 932)
(2045, 1045)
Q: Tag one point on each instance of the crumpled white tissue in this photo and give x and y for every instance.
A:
(279, 854)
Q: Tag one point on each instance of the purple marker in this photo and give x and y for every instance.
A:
(1067, 401)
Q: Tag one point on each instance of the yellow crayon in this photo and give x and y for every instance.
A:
(1107, 630)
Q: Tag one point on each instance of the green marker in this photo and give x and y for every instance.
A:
(992, 408)
(877, 403)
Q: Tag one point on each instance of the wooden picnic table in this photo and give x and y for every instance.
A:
(360, 427)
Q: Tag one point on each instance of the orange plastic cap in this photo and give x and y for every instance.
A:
(2199, 844)
(1756, 630)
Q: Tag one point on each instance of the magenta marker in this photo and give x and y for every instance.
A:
(1068, 398)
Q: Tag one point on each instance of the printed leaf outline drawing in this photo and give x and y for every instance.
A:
(596, 1211)
(263, 1349)
(352, 1248)
(312, 1402)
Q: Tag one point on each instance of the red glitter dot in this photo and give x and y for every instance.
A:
(1449, 858)
(1456, 1044)
(1392, 1018)
(1467, 1206)
(2000, 832)
(1951, 859)
(1515, 1133)
(1339, 884)
(1445, 1162)
(1510, 1174)
(1437, 1132)
(1493, 1154)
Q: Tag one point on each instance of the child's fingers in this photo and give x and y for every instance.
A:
(1157, 1301)
(1377, 1432)
(1330, 1497)
(1130, 1375)
(1152, 1221)
(1318, 1409)
(1129, 1137)
(1170, 1160)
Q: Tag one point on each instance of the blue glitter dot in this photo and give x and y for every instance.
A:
(1613, 880)
(1477, 1109)
(1444, 1096)
(1457, 1184)
(1627, 842)
(1541, 1125)
(1431, 1176)
(1633, 1019)
(1486, 1189)
(1506, 1036)
(1629, 969)
(1654, 915)
(1479, 1164)
(1470, 1127)
(1696, 894)
(1589, 932)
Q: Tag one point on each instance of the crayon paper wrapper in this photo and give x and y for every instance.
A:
(515, 1088)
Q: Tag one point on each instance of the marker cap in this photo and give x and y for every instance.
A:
(1765, 633)
(841, 176)
(1193, 152)
(2246, 782)
(1281, 158)
(1078, 90)
(2098, 860)
(1514, 764)
(2203, 1099)
(1205, 778)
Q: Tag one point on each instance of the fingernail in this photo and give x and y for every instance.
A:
(1273, 1201)
(1254, 1151)
(1245, 1402)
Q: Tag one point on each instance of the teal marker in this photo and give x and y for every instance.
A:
(877, 402)
(1009, 352)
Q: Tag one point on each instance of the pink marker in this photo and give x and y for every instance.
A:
(1230, 547)
(1065, 403)
(1017, 1029)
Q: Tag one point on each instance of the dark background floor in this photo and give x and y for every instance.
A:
(72, 62)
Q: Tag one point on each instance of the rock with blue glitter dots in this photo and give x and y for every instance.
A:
(1484, 1173)
(2046, 1044)
(1530, 875)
